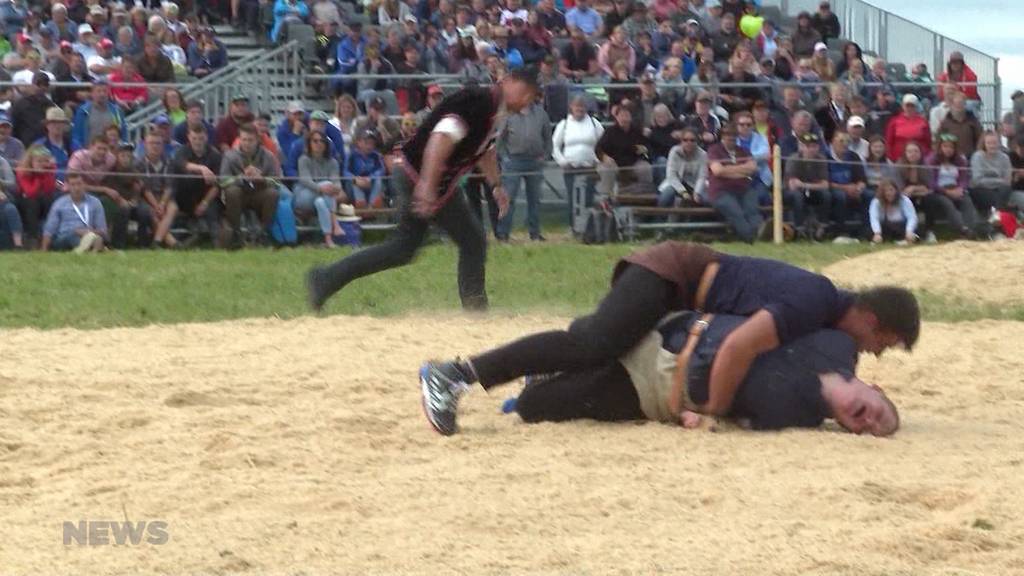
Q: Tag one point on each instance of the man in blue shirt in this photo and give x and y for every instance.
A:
(350, 54)
(76, 220)
(585, 18)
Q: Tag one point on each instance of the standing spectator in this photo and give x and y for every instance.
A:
(893, 216)
(206, 55)
(579, 59)
(807, 182)
(128, 87)
(962, 123)
(11, 149)
(319, 186)
(104, 62)
(196, 187)
(573, 147)
(703, 122)
(229, 126)
(949, 197)
(686, 173)
(364, 172)
(848, 186)
(959, 73)
(826, 22)
(623, 150)
(908, 127)
(249, 176)
(37, 186)
(76, 220)
(28, 113)
(805, 37)
(93, 117)
(991, 176)
(524, 142)
(122, 202)
(585, 19)
(154, 65)
(730, 191)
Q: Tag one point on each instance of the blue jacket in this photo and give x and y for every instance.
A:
(357, 164)
(80, 125)
(350, 55)
(283, 9)
(180, 133)
(290, 168)
(213, 61)
(60, 156)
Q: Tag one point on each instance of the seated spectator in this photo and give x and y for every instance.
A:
(29, 111)
(364, 172)
(663, 132)
(647, 57)
(33, 62)
(175, 53)
(174, 106)
(585, 19)
(757, 145)
(624, 152)
(292, 127)
(387, 129)
(162, 124)
(193, 117)
(805, 37)
(11, 149)
(76, 72)
(856, 79)
(319, 122)
(848, 186)
(249, 177)
(373, 64)
(915, 179)
(346, 112)
(851, 52)
(206, 55)
(858, 144)
(908, 127)
(56, 139)
(95, 115)
(319, 186)
(389, 12)
(104, 62)
(703, 122)
(153, 65)
(262, 122)
(76, 220)
(991, 177)
(37, 187)
(616, 49)
(767, 40)
(949, 197)
(574, 141)
(87, 40)
(10, 218)
(963, 124)
(801, 123)
(739, 98)
(725, 39)
(959, 73)
(671, 86)
(123, 201)
(128, 87)
(350, 54)
(228, 127)
(806, 175)
(730, 169)
(893, 216)
(919, 75)
(63, 28)
(196, 186)
(551, 19)
(686, 173)
(579, 59)
(877, 166)
(805, 74)
(873, 124)
(465, 59)
(822, 63)
(784, 110)
(826, 22)
(126, 43)
(939, 111)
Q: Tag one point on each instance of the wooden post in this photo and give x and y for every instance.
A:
(777, 194)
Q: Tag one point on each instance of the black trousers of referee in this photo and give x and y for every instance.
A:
(455, 218)
(605, 393)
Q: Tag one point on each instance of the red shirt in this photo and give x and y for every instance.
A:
(971, 92)
(903, 129)
(128, 93)
(36, 184)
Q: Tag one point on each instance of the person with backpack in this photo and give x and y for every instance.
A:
(574, 142)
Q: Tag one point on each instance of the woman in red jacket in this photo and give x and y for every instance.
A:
(910, 126)
(958, 72)
(37, 182)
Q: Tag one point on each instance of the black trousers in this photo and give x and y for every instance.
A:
(33, 213)
(478, 192)
(454, 218)
(604, 393)
(638, 300)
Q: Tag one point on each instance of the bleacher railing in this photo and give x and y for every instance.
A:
(269, 79)
(897, 39)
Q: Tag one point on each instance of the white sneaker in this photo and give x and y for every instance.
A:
(85, 244)
(845, 240)
(930, 238)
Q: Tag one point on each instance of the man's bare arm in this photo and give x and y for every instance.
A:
(755, 336)
(435, 159)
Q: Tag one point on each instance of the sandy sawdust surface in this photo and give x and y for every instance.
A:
(299, 447)
(977, 271)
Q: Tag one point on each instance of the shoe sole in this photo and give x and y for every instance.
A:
(424, 377)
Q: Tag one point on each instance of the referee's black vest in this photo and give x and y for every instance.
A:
(478, 108)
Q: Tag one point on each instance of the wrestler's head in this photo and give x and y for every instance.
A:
(859, 407)
(882, 318)
(518, 90)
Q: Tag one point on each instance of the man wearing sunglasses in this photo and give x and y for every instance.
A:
(457, 136)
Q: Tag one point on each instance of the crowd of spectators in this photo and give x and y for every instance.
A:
(680, 99)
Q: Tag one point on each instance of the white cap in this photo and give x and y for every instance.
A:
(910, 99)
(85, 29)
(295, 106)
(855, 121)
(820, 46)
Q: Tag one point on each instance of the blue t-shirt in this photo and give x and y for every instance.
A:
(799, 301)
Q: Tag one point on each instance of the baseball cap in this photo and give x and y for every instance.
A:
(410, 18)
(809, 138)
(65, 46)
(97, 10)
(378, 103)
(105, 43)
(5, 119)
(85, 29)
(56, 114)
(910, 99)
(713, 4)
(320, 116)
(855, 121)
(692, 21)
(46, 32)
(368, 133)
(705, 97)
(820, 46)
(240, 98)
(162, 120)
(125, 147)
(58, 7)
(295, 106)
(434, 89)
